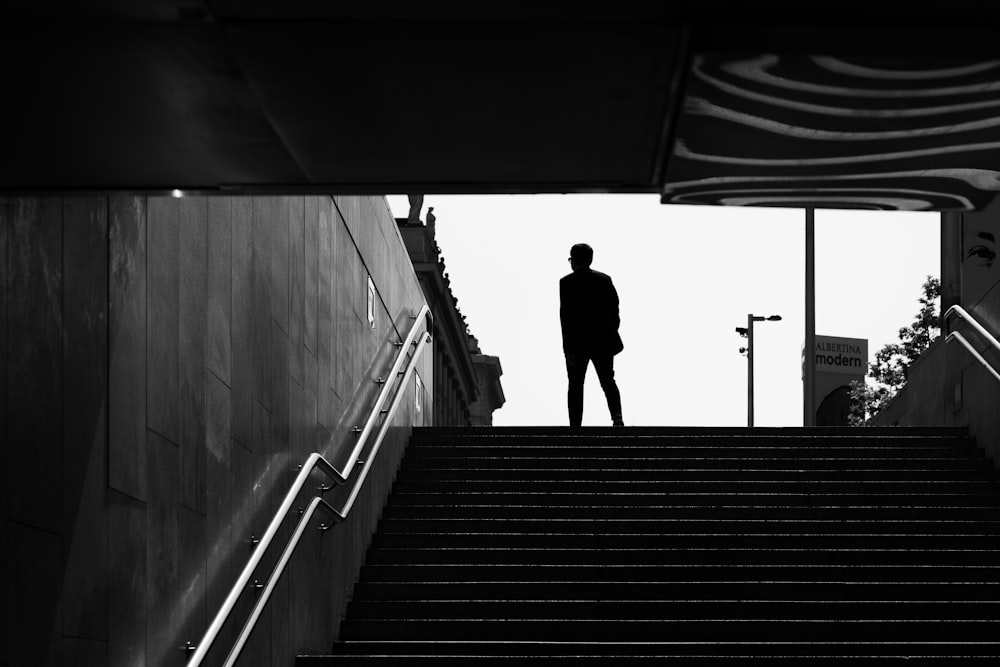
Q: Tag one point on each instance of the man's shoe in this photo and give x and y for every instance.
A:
(617, 422)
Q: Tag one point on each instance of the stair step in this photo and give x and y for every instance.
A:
(735, 432)
(644, 610)
(691, 512)
(719, 541)
(729, 473)
(681, 555)
(563, 653)
(699, 630)
(737, 435)
(930, 487)
(707, 498)
(690, 525)
(666, 463)
(843, 589)
(708, 659)
(656, 450)
(678, 573)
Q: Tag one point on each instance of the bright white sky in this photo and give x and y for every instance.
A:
(686, 276)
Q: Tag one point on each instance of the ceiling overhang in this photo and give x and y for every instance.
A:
(857, 105)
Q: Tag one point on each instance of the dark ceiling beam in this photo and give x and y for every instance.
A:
(966, 39)
(675, 103)
(312, 96)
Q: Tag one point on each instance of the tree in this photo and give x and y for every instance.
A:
(889, 372)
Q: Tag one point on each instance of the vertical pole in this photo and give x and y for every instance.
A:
(809, 351)
(951, 262)
(750, 369)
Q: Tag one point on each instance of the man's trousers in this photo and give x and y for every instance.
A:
(576, 369)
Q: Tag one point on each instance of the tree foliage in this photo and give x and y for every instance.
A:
(889, 372)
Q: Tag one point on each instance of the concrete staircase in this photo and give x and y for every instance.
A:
(706, 546)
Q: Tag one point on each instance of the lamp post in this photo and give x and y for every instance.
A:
(748, 334)
(809, 348)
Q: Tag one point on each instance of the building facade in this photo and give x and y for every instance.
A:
(466, 382)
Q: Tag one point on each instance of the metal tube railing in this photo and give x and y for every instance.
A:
(314, 461)
(958, 311)
(386, 387)
(318, 502)
(272, 581)
(356, 488)
(954, 335)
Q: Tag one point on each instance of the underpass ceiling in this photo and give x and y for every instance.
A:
(858, 105)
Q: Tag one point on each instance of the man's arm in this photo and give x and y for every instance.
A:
(563, 314)
(613, 310)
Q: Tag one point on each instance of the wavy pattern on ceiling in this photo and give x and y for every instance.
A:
(768, 130)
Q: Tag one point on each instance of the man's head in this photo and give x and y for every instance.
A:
(580, 256)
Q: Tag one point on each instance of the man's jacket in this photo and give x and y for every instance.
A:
(588, 311)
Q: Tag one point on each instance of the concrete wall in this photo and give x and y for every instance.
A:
(167, 364)
(947, 386)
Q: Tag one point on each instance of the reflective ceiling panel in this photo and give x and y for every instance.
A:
(836, 132)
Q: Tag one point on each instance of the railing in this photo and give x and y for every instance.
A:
(958, 311)
(316, 461)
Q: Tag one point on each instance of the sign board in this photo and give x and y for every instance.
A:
(848, 356)
(838, 362)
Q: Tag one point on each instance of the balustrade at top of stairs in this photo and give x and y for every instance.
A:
(709, 546)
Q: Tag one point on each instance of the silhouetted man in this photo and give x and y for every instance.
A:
(588, 311)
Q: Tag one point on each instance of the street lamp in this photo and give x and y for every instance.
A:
(747, 333)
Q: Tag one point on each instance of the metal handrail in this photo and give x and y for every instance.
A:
(964, 314)
(315, 461)
(272, 581)
(980, 329)
(370, 458)
(318, 502)
(386, 386)
(954, 335)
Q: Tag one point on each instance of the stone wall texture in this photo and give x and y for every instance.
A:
(167, 364)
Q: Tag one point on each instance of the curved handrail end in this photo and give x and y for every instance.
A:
(954, 335)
